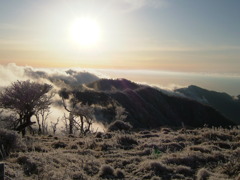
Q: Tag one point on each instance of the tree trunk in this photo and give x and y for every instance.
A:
(82, 125)
(18, 127)
(39, 125)
(26, 122)
(71, 123)
(88, 126)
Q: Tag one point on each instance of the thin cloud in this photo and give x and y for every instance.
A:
(132, 5)
(6, 26)
(182, 48)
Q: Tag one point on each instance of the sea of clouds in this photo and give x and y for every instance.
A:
(67, 78)
(58, 78)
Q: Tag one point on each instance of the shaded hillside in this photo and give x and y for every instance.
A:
(223, 102)
(112, 85)
(150, 108)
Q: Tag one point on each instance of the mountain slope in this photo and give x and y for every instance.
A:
(222, 102)
(112, 85)
(150, 108)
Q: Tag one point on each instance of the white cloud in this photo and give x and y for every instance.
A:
(10, 73)
(56, 77)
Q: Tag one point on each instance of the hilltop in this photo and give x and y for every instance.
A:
(148, 107)
(229, 106)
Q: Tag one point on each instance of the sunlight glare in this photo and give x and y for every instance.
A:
(85, 32)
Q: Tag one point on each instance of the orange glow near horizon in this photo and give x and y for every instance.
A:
(121, 35)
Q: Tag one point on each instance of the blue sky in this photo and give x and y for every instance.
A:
(174, 35)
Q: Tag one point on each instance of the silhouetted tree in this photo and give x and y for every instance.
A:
(80, 115)
(26, 99)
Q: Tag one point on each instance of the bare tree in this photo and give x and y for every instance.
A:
(41, 117)
(54, 126)
(80, 115)
(25, 98)
(64, 94)
(121, 113)
(83, 118)
(42, 114)
(65, 121)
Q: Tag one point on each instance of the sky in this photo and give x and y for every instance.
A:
(170, 35)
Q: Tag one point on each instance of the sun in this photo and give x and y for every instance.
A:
(85, 31)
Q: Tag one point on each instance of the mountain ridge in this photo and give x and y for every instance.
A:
(221, 101)
(148, 107)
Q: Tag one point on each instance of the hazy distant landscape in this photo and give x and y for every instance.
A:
(157, 104)
(229, 83)
(138, 131)
(120, 89)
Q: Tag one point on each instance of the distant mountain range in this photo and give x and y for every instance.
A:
(227, 105)
(148, 107)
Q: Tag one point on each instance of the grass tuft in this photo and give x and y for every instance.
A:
(119, 125)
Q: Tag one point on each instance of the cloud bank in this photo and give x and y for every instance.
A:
(164, 81)
(58, 78)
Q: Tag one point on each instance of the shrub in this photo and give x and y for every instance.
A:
(149, 135)
(59, 144)
(29, 165)
(238, 177)
(79, 176)
(40, 148)
(185, 170)
(120, 174)
(127, 141)
(204, 174)
(107, 136)
(232, 167)
(171, 146)
(201, 148)
(155, 178)
(99, 135)
(91, 168)
(106, 172)
(105, 147)
(156, 167)
(119, 125)
(74, 146)
(10, 141)
(166, 130)
(193, 159)
(22, 159)
(223, 145)
(217, 136)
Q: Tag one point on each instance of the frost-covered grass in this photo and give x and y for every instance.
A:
(206, 153)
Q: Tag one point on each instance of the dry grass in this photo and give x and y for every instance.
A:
(158, 154)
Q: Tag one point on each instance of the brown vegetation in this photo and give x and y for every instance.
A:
(154, 154)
